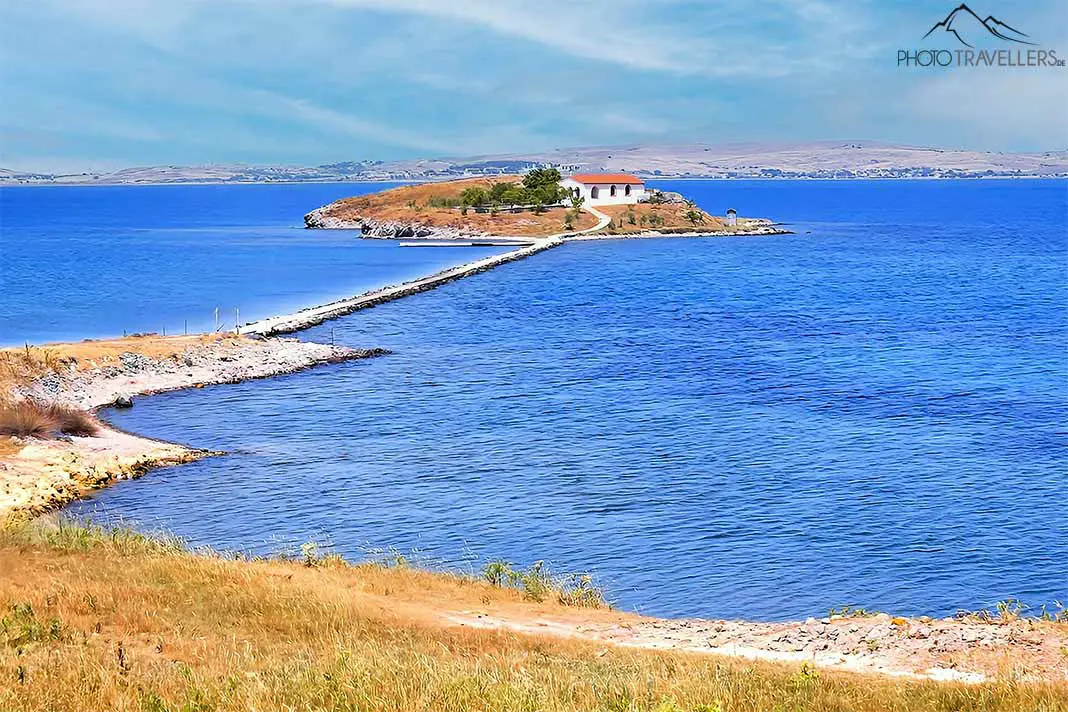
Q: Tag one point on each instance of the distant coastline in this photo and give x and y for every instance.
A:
(4, 183)
(822, 160)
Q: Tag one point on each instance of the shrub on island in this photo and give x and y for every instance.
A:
(540, 188)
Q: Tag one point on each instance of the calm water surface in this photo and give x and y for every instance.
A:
(97, 261)
(873, 411)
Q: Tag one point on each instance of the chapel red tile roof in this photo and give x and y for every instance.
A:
(607, 178)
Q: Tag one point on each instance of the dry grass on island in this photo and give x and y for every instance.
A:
(439, 205)
(95, 619)
(526, 206)
(671, 216)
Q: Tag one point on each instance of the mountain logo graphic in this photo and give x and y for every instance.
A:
(965, 25)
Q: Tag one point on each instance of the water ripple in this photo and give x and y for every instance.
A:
(872, 413)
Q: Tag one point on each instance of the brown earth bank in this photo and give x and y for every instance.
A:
(45, 470)
(414, 212)
(95, 619)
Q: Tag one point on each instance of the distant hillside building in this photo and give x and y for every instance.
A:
(606, 188)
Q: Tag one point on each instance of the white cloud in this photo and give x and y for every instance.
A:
(592, 30)
(308, 80)
(716, 38)
(342, 123)
(669, 36)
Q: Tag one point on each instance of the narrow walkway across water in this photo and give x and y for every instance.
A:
(288, 323)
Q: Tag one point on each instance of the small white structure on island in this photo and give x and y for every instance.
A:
(605, 188)
(732, 216)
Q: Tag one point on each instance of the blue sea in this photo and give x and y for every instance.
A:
(872, 411)
(103, 261)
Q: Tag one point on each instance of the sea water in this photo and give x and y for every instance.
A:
(871, 411)
(102, 261)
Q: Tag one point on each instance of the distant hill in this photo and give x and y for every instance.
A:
(825, 159)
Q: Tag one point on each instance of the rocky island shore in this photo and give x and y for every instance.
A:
(479, 209)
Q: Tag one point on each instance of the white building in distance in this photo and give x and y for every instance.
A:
(606, 188)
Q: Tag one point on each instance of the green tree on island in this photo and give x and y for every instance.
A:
(474, 197)
(540, 188)
(694, 216)
(543, 185)
(498, 191)
(515, 195)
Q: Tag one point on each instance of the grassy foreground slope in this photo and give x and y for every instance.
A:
(95, 620)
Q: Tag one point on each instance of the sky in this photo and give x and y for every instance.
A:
(105, 84)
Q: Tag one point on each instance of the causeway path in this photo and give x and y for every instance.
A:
(312, 316)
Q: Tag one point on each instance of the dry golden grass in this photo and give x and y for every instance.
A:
(628, 219)
(95, 620)
(151, 345)
(410, 204)
(28, 419)
(72, 421)
(22, 364)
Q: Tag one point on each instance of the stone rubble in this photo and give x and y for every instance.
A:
(321, 219)
(221, 361)
(968, 647)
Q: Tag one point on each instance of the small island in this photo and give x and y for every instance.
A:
(539, 204)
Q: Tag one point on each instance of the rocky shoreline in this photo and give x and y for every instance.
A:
(971, 648)
(321, 219)
(215, 363)
(42, 475)
(765, 227)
